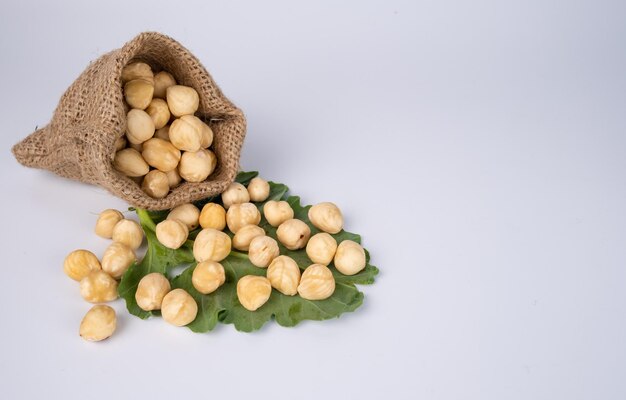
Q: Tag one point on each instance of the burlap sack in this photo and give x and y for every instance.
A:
(79, 141)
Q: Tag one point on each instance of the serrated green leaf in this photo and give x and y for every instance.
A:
(223, 305)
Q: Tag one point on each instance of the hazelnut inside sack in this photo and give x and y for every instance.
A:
(88, 125)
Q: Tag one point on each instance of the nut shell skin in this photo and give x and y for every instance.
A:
(326, 217)
(117, 258)
(138, 93)
(139, 126)
(179, 308)
(187, 213)
(160, 154)
(350, 258)
(240, 215)
(173, 178)
(197, 166)
(158, 111)
(205, 130)
(182, 100)
(284, 275)
(208, 276)
(258, 189)
(211, 244)
(277, 212)
(98, 287)
(293, 234)
(235, 193)
(120, 143)
(98, 324)
(253, 291)
(172, 233)
(137, 70)
(243, 237)
(185, 135)
(79, 263)
(151, 290)
(156, 184)
(128, 232)
(162, 80)
(130, 163)
(106, 222)
(321, 248)
(262, 250)
(317, 283)
(213, 216)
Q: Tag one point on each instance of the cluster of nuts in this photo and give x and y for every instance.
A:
(242, 218)
(165, 143)
(99, 278)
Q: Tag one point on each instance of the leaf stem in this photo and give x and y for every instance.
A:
(145, 219)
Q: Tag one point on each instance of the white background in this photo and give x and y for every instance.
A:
(478, 147)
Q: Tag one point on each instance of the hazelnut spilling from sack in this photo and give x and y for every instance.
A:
(94, 119)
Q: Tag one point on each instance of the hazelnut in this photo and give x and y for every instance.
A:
(317, 283)
(98, 287)
(349, 258)
(151, 290)
(131, 163)
(258, 189)
(129, 233)
(138, 93)
(139, 126)
(188, 214)
(163, 133)
(98, 324)
(213, 216)
(197, 166)
(80, 263)
(182, 100)
(253, 291)
(277, 212)
(117, 258)
(136, 70)
(211, 244)
(161, 154)
(172, 233)
(158, 111)
(185, 134)
(179, 308)
(120, 143)
(208, 276)
(205, 130)
(321, 248)
(293, 234)
(162, 80)
(240, 215)
(243, 237)
(155, 184)
(173, 179)
(326, 217)
(235, 193)
(262, 250)
(138, 147)
(284, 275)
(106, 222)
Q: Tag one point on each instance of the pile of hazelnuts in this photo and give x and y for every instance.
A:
(242, 217)
(165, 143)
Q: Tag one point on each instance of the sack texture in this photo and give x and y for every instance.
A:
(79, 141)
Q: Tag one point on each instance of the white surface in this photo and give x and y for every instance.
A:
(478, 147)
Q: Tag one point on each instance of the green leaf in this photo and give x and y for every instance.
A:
(158, 258)
(223, 305)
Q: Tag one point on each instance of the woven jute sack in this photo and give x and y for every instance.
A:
(79, 141)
